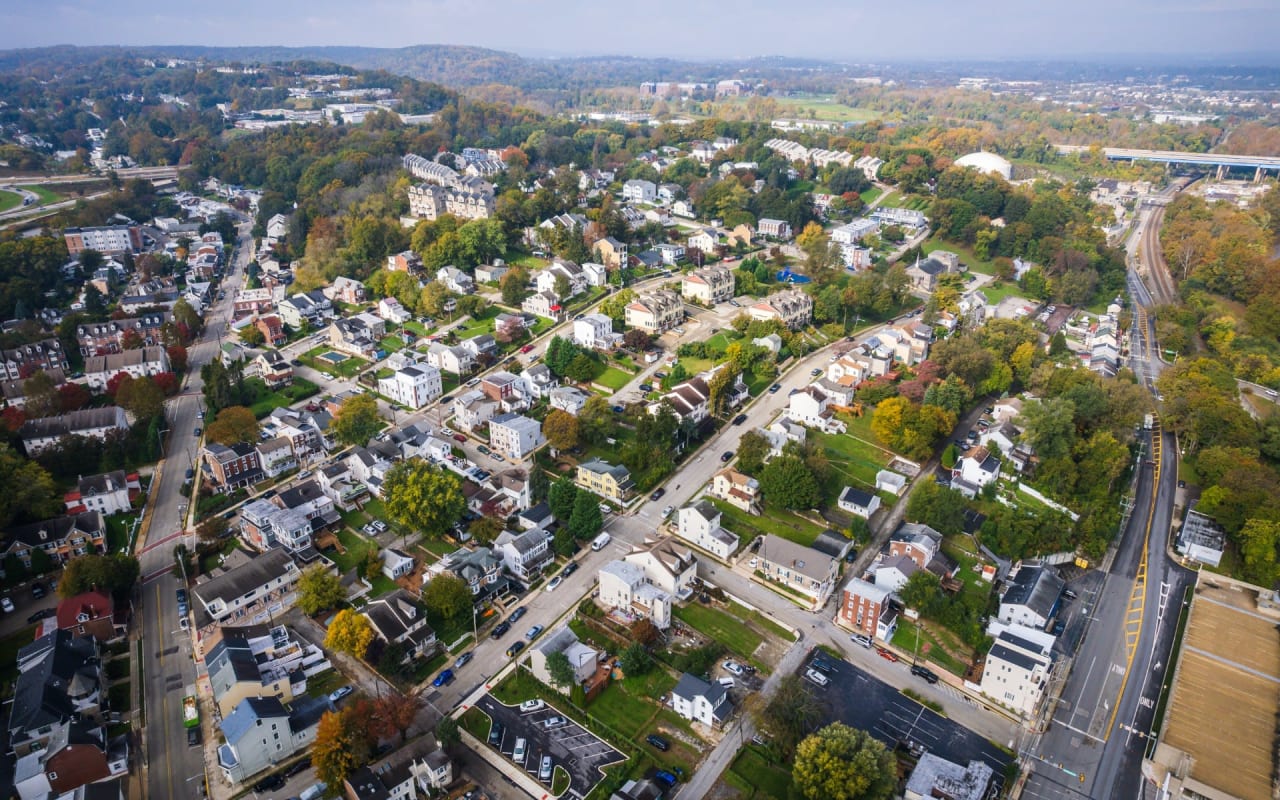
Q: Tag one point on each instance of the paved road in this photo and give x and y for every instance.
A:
(173, 769)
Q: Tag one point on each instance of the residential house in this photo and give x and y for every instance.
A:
(390, 310)
(404, 261)
(582, 659)
(232, 467)
(800, 568)
(596, 332)
(854, 232)
(108, 493)
(975, 469)
(138, 363)
(508, 327)
(1016, 672)
(308, 308)
(96, 423)
(668, 192)
(704, 240)
(275, 456)
(278, 226)
(543, 304)
(811, 406)
(737, 489)
(893, 572)
(340, 486)
(624, 587)
(699, 701)
(252, 593)
(639, 191)
(506, 388)
(609, 481)
(924, 273)
(667, 564)
(255, 661)
(934, 776)
(791, 307)
(596, 274)
(450, 358)
(524, 554)
(360, 335)
(455, 280)
(400, 776)
(902, 217)
(490, 273)
(923, 546)
(480, 569)
(100, 338)
(891, 482)
(413, 386)
(565, 273)
(60, 538)
(274, 369)
(690, 400)
(514, 436)
(655, 311)
(76, 761)
(346, 290)
(699, 525)
(251, 302)
(472, 410)
(109, 240)
(538, 381)
(772, 342)
(611, 252)
(1031, 595)
(272, 330)
(1002, 437)
(261, 732)
(671, 253)
(708, 285)
(397, 619)
(774, 228)
(90, 613)
(59, 680)
(568, 398)
(859, 503)
(396, 564)
(866, 608)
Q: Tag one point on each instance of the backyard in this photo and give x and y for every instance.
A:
(355, 551)
(756, 773)
(326, 359)
(779, 522)
(478, 323)
(267, 400)
(854, 462)
(740, 630)
(613, 378)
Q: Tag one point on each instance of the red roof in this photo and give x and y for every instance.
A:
(94, 604)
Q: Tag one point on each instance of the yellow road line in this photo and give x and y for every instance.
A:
(1138, 597)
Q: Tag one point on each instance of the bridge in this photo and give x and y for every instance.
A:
(1223, 161)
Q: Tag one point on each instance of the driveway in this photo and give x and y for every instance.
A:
(582, 754)
(861, 701)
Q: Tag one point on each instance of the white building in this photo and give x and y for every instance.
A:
(139, 362)
(390, 309)
(596, 332)
(514, 436)
(1030, 596)
(624, 587)
(699, 525)
(709, 285)
(639, 191)
(412, 386)
(1017, 672)
(567, 398)
(699, 701)
(859, 503)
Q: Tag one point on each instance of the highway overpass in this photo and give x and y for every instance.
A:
(1222, 161)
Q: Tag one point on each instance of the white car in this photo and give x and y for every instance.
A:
(554, 582)
(529, 706)
(339, 693)
(734, 668)
(666, 512)
(816, 677)
(6, 604)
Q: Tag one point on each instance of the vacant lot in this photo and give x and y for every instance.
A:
(614, 378)
(779, 522)
(758, 776)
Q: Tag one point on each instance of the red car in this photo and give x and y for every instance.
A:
(457, 437)
(527, 348)
(886, 655)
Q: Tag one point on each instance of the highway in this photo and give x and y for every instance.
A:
(1095, 744)
(172, 768)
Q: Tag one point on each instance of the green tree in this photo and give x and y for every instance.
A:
(251, 336)
(40, 396)
(141, 397)
(843, 763)
(786, 481)
(561, 429)
(341, 745)
(789, 715)
(583, 368)
(560, 670)
(920, 590)
(423, 497)
(29, 491)
(447, 596)
(116, 573)
(357, 420)
(1049, 425)
(753, 449)
(212, 530)
(319, 590)
(563, 543)
(1259, 539)
(586, 520)
(561, 498)
(485, 529)
(514, 286)
(596, 421)
(635, 660)
(448, 734)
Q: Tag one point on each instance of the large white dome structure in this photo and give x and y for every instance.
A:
(983, 161)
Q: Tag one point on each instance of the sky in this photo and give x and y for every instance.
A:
(848, 30)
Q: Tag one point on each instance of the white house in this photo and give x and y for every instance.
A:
(567, 398)
(624, 587)
(582, 658)
(514, 436)
(699, 701)
(1017, 672)
(472, 410)
(396, 564)
(596, 332)
(810, 407)
(455, 280)
(390, 309)
(450, 359)
(854, 232)
(709, 285)
(802, 569)
(859, 503)
(704, 239)
(1031, 595)
(671, 253)
(107, 493)
(639, 191)
(977, 468)
(889, 481)
(139, 362)
(699, 525)
(538, 381)
(413, 386)
(523, 554)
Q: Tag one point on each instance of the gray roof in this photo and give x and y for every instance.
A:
(805, 560)
(56, 529)
(246, 714)
(856, 496)
(67, 424)
(50, 666)
(1004, 653)
(393, 615)
(691, 686)
(228, 586)
(934, 776)
(1035, 586)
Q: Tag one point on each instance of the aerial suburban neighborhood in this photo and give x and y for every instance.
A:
(831, 431)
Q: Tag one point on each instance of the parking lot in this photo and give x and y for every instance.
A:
(861, 701)
(581, 753)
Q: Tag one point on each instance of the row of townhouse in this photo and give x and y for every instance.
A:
(112, 336)
(23, 361)
(137, 363)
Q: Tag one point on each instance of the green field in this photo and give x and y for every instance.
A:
(481, 323)
(724, 628)
(9, 200)
(46, 196)
(348, 368)
(930, 646)
(757, 774)
(870, 195)
(853, 459)
(967, 257)
(900, 200)
(268, 401)
(813, 106)
(614, 378)
(779, 522)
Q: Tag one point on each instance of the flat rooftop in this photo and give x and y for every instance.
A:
(1226, 693)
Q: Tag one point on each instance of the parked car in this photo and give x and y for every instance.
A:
(569, 569)
(37, 591)
(483, 450)
(741, 418)
(554, 722)
(533, 632)
(495, 733)
(300, 766)
(816, 371)
(816, 677)
(734, 668)
(6, 604)
(666, 777)
(544, 769)
(658, 742)
(726, 456)
(457, 437)
(295, 362)
(269, 783)
(500, 630)
(529, 706)
(193, 737)
(339, 693)
(514, 650)
(554, 582)
(443, 679)
(527, 348)
(657, 494)
(774, 388)
(666, 512)
(886, 655)
(518, 613)
(617, 409)
(924, 672)
(43, 613)
(646, 387)
(862, 639)
(196, 433)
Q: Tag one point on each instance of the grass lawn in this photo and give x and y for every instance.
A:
(723, 627)
(614, 378)
(853, 459)
(560, 781)
(692, 366)
(933, 645)
(46, 196)
(722, 339)
(823, 106)
(478, 324)
(323, 683)
(118, 531)
(357, 549)
(347, 368)
(779, 522)
(967, 257)
(756, 774)
(268, 401)
(9, 200)
(870, 195)
(392, 343)
(996, 293)
(476, 722)
(416, 327)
